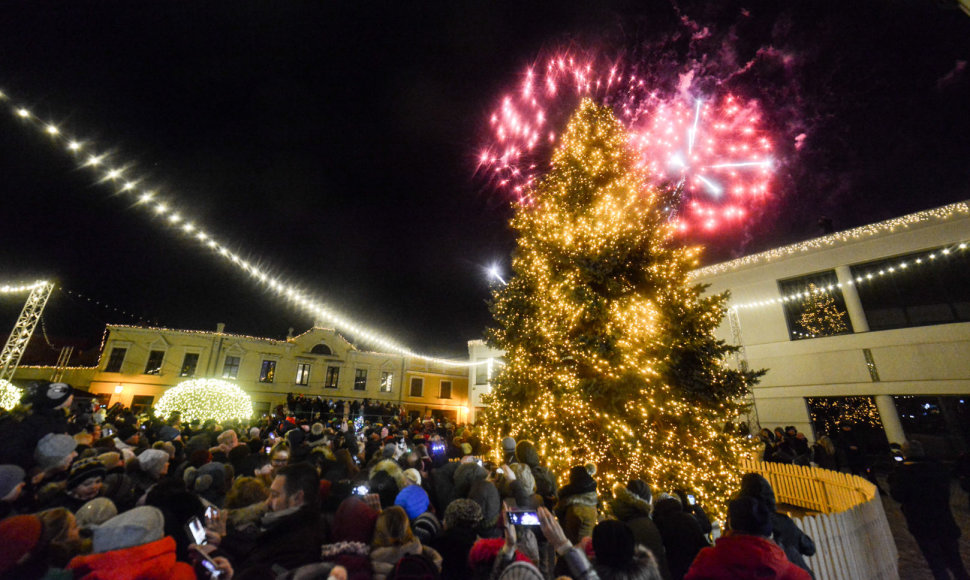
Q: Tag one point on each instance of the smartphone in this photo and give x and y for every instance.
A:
(690, 499)
(523, 517)
(898, 457)
(361, 490)
(196, 530)
(272, 435)
(208, 565)
(268, 448)
(211, 513)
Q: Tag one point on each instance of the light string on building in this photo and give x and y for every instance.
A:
(902, 266)
(939, 214)
(102, 304)
(122, 179)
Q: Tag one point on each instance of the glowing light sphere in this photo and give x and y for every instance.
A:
(205, 399)
(9, 395)
(712, 149)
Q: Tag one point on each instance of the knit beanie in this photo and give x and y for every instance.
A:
(84, 469)
(413, 499)
(521, 571)
(508, 445)
(639, 488)
(749, 515)
(135, 527)
(466, 449)
(53, 449)
(45, 395)
(20, 535)
(10, 477)
(413, 476)
(354, 521)
(95, 512)
(613, 543)
(152, 461)
(111, 460)
(463, 513)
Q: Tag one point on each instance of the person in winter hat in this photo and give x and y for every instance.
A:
(577, 504)
(55, 452)
(508, 451)
(632, 504)
(11, 486)
(415, 502)
(682, 535)
(618, 554)
(95, 512)
(785, 533)
(546, 485)
(746, 550)
(132, 545)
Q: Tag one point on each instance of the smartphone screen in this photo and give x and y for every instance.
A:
(523, 517)
(690, 499)
(361, 490)
(196, 530)
(211, 512)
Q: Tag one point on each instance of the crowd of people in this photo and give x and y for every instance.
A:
(98, 495)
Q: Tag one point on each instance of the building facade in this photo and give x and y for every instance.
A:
(870, 324)
(138, 364)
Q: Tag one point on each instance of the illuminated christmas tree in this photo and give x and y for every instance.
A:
(822, 316)
(611, 355)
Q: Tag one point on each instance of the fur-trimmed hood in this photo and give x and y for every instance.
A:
(390, 467)
(626, 506)
(588, 499)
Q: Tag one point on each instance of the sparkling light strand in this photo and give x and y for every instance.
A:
(903, 266)
(116, 175)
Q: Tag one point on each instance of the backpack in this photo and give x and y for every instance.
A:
(415, 567)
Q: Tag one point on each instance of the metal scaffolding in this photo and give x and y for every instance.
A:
(24, 329)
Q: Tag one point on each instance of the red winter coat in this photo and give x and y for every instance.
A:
(152, 561)
(740, 556)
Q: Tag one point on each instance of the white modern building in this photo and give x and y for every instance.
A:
(880, 312)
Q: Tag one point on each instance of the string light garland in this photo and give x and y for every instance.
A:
(102, 304)
(21, 288)
(112, 172)
(9, 395)
(940, 214)
(204, 399)
(904, 266)
(610, 352)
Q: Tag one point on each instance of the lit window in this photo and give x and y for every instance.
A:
(303, 374)
(333, 376)
(115, 359)
(268, 371)
(417, 386)
(819, 310)
(445, 390)
(360, 380)
(189, 363)
(230, 369)
(154, 364)
(387, 380)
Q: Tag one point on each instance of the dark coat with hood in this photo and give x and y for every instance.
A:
(786, 534)
(454, 544)
(922, 486)
(577, 505)
(681, 534)
(634, 511)
(442, 486)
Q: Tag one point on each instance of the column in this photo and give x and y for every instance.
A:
(852, 302)
(890, 419)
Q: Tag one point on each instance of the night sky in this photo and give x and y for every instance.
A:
(335, 143)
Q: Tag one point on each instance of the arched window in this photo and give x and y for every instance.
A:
(321, 349)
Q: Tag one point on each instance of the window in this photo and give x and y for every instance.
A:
(189, 363)
(141, 403)
(230, 369)
(360, 380)
(417, 386)
(445, 390)
(927, 291)
(481, 373)
(268, 371)
(321, 349)
(115, 359)
(817, 309)
(303, 374)
(333, 376)
(154, 364)
(387, 381)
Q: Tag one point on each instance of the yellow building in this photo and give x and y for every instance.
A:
(138, 364)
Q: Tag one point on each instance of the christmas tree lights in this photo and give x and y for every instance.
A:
(205, 399)
(9, 395)
(611, 355)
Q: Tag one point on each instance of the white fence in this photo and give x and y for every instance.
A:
(851, 533)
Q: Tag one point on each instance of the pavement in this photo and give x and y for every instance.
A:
(912, 565)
